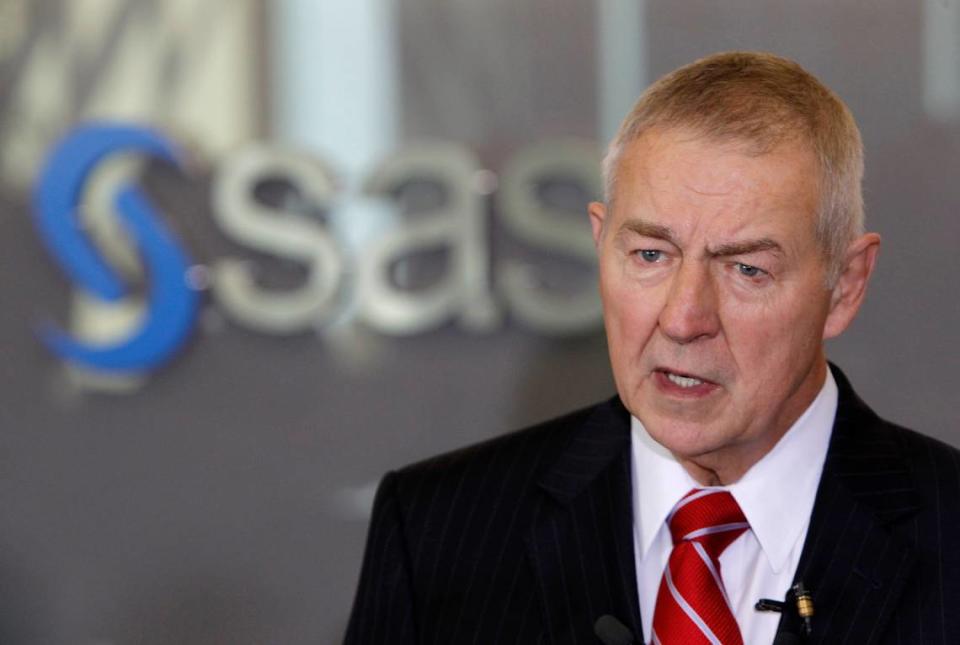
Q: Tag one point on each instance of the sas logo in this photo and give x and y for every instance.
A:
(171, 304)
(120, 332)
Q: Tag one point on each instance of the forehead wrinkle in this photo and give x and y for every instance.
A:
(720, 191)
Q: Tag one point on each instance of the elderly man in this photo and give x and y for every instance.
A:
(736, 490)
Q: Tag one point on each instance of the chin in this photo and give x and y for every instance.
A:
(684, 439)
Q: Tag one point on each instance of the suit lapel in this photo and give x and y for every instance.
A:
(854, 565)
(580, 545)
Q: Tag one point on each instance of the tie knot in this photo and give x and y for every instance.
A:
(711, 517)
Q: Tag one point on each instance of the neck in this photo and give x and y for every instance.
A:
(705, 476)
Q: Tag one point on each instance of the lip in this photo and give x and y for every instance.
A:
(669, 388)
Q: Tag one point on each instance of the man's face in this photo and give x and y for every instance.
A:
(713, 292)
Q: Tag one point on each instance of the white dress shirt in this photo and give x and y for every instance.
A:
(776, 496)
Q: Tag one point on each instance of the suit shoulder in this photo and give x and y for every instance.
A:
(867, 432)
(927, 470)
(930, 458)
(913, 440)
(512, 460)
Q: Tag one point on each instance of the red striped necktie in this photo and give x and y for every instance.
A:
(692, 606)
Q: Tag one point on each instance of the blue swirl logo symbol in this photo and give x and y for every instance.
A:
(172, 304)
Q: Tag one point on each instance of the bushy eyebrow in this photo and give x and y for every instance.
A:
(660, 232)
(649, 229)
(746, 247)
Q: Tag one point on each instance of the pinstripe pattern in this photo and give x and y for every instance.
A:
(527, 539)
(888, 501)
(523, 539)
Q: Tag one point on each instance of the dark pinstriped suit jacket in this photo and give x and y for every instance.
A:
(527, 538)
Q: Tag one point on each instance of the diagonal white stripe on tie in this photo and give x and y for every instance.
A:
(713, 571)
(688, 610)
(720, 528)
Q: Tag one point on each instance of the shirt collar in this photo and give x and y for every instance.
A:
(776, 495)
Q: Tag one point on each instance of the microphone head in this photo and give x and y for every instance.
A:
(612, 632)
(787, 638)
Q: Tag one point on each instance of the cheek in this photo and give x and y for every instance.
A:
(773, 338)
(630, 317)
(630, 314)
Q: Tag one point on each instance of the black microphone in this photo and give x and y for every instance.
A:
(612, 632)
(788, 638)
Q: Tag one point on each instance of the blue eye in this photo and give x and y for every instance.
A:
(650, 255)
(748, 271)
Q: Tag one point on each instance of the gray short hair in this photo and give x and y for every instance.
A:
(761, 100)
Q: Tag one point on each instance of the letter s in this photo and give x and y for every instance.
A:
(280, 233)
(525, 214)
(171, 303)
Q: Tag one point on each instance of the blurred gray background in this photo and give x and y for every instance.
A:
(223, 498)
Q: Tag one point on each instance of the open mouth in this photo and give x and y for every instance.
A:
(682, 380)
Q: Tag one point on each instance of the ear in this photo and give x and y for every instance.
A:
(598, 213)
(847, 295)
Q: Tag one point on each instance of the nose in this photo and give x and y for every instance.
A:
(690, 312)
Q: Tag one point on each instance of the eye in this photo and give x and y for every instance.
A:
(748, 270)
(650, 255)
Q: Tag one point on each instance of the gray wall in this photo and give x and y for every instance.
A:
(223, 501)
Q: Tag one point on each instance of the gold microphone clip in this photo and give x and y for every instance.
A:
(804, 601)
